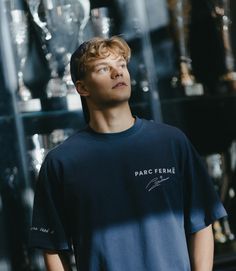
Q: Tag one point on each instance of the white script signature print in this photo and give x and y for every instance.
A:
(155, 182)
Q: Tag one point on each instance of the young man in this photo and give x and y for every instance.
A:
(125, 194)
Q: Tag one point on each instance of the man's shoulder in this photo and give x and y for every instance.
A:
(164, 129)
(75, 142)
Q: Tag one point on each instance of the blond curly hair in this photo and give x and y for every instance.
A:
(96, 48)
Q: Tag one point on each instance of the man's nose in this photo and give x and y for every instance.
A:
(116, 72)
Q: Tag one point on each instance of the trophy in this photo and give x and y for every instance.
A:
(20, 39)
(101, 22)
(180, 11)
(220, 10)
(37, 152)
(61, 24)
(219, 169)
(40, 144)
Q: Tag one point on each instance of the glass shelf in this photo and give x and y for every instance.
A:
(207, 98)
(54, 113)
(47, 121)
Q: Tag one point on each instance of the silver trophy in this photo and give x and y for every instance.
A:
(40, 144)
(218, 165)
(101, 22)
(36, 153)
(61, 23)
(180, 11)
(20, 39)
(220, 10)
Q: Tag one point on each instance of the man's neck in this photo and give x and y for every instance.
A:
(111, 120)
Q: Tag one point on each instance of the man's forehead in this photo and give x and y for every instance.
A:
(106, 59)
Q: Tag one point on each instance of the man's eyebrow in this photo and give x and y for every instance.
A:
(106, 63)
(98, 64)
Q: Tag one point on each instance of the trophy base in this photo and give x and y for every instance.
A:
(56, 87)
(32, 105)
(194, 90)
(73, 102)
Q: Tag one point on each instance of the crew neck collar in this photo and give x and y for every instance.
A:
(129, 131)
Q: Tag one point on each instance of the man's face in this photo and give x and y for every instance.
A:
(107, 82)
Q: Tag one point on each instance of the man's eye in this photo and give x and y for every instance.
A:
(103, 69)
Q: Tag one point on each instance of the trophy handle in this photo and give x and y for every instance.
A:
(85, 4)
(33, 7)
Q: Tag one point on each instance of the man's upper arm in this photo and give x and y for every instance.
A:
(201, 249)
(57, 261)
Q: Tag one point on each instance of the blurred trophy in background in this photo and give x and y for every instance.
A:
(40, 144)
(220, 10)
(219, 168)
(37, 152)
(61, 24)
(20, 39)
(180, 12)
(101, 22)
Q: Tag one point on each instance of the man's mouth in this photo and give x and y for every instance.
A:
(120, 84)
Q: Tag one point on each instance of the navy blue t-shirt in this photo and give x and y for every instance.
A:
(124, 201)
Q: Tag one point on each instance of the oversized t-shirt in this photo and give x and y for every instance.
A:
(124, 201)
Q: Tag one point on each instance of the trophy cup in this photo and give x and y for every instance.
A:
(101, 22)
(220, 10)
(20, 39)
(180, 10)
(61, 24)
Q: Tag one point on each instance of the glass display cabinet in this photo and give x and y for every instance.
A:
(182, 73)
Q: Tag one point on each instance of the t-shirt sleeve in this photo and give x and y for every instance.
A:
(49, 229)
(202, 203)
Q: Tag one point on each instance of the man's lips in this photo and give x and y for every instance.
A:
(120, 84)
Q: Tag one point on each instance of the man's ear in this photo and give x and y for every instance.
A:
(81, 89)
